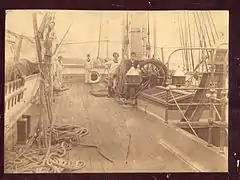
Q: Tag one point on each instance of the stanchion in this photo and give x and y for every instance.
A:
(223, 119)
(211, 97)
(166, 109)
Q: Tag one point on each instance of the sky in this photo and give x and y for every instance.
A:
(85, 27)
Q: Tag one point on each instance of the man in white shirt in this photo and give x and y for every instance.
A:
(60, 68)
(113, 67)
(88, 68)
(57, 73)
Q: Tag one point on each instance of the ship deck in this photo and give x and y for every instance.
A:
(109, 126)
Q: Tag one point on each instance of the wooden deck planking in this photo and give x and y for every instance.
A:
(109, 125)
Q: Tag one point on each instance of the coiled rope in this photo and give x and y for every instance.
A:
(31, 158)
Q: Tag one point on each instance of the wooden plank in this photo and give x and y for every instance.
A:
(109, 125)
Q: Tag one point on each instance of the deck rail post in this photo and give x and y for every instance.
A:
(223, 120)
(223, 106)
(167, 105)
(211, 97)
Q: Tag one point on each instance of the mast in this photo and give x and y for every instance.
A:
(154, 36)
(136, 35)
(125, 50)
(123, 39)
(99, 37)
(148, 48)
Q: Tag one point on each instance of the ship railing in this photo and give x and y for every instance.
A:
(13, 94)
(210, 49)
(171, 101)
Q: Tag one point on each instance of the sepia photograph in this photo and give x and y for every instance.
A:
(116, 91)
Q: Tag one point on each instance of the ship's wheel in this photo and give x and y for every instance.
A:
(153, 72)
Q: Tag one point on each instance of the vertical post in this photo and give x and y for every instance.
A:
(222, 124)
(223, 104)
(41, 124)
(99, 37)
(166, 108)
(107, 48)
(154, 36)
(162, 55)
(211, 115)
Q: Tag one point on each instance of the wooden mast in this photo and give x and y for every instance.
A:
(154, 36)
(99, 37)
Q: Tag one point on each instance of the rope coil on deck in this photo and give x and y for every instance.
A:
(29, 159)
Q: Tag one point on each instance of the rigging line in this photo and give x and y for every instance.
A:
(43, 25)
(202, 31)
(123, 38)
(200, 42)
(61, 40)
(127, 35)
(210, 25)
(189, 124)
(17, 35)
(214, 26)
(194, 36)
(181, 39)
(99, 36)
(85, 42)
(206, 29)
(189, 31)
(186, 40)
(203, 42)
(148, 35)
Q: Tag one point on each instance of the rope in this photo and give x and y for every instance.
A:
(34, 160)
(217, 112)
(64, 138)
(183, 114)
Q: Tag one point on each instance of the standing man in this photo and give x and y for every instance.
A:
(113, 67)
(60, 69)
(88, 68)
(132, 62)
(56, 80)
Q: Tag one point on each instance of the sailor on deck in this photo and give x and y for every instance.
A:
(133, 62)
(49, 37)
(88, 68)
(113, 67)
(60, 68)
(57, 73)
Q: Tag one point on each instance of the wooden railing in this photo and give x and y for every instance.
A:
(13, 93)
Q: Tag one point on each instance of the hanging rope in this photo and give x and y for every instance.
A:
(210, 26)
(186, 41)
(206, 29)
(204, 56)
(190, 40)
(181, 40)
(202, 32)
(217, 112)
(214, 26)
